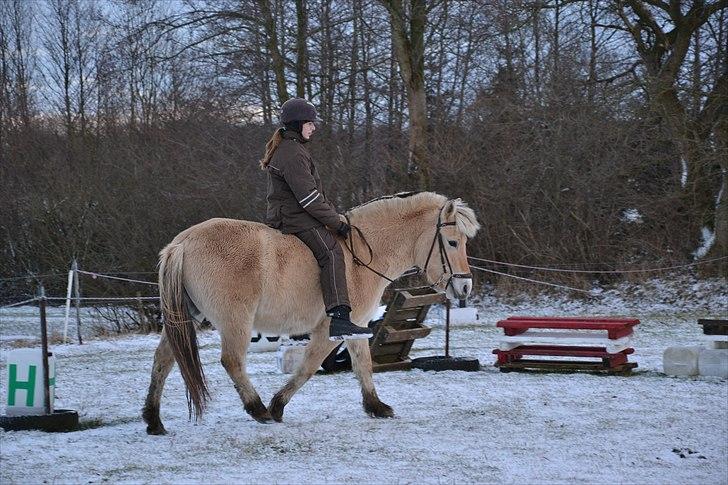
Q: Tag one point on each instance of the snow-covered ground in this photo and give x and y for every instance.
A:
(450, 427)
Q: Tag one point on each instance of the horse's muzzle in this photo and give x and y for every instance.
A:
(461, 285)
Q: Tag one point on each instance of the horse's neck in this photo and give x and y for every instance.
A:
(393, 247)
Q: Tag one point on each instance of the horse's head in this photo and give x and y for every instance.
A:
(445, 263)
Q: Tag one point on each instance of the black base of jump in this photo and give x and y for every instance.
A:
(59, 420)
(441, 362)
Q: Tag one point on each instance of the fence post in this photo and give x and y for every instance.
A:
(44, 344)
(77, 291)
(447, 327)
(69, 289)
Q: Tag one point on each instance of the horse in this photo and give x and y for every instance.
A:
(242, 275)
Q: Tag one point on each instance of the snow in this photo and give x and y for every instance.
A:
(632, 215)
(450, 427)
(684, 174)
(707, 240)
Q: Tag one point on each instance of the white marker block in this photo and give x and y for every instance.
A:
(713, 362)
(716, 341)
(25, 382)
(463, 315)
(566, 337)
(261, 342)
(289, 358)
(681, 361)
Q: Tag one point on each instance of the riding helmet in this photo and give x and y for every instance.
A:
(298, 109)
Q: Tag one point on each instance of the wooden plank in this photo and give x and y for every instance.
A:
(388, 358)
(393, 335)
(393, 366)
(408, 313)
(714, 327)
(571, 324)
(385, 349)
(405, 299)
(563, 351)
(616, 328)
(572, 319)
(566, 366)
(415, 314)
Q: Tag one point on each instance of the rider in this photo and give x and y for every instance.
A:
(298, 206)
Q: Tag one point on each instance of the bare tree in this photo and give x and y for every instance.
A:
(408, 37)
(661, 32)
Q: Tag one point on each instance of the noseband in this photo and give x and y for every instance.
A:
(446, 266)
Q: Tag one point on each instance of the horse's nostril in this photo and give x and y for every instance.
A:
(465, 289)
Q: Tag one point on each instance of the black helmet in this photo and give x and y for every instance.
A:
(298, 109)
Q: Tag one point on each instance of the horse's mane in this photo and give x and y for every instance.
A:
(415, 202)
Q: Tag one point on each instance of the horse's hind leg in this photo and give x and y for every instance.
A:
(361, 360)
(316, 351)
(163, 363)
(234, 342)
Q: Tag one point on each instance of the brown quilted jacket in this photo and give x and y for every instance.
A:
(296, 200)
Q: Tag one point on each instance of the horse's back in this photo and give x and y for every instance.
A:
(229, 262)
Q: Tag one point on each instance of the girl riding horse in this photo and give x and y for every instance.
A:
(297, 205)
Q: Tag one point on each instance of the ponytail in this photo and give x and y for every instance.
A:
(270, 148)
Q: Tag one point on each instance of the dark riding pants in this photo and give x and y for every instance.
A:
(330, 257)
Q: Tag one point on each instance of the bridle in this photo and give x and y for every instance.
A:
(444, 259)
(446, 270)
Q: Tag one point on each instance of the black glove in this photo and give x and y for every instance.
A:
(343, 229)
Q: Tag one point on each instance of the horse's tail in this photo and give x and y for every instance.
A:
(180, 327)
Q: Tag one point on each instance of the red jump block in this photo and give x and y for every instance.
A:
(610, 360)
(615, 327)
(523, 337)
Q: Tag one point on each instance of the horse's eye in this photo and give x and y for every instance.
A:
(453, 243)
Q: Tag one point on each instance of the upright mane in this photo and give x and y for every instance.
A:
(411, 204)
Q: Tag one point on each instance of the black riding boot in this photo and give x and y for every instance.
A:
(341, 327)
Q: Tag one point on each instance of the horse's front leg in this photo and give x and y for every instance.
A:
(361, 360)
(316, 351)
(234, 341)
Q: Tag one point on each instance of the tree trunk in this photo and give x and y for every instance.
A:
(301, 51)
(410, 50)
(278, 63)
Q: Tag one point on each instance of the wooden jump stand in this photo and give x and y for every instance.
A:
(395, 333)
(576, 337)
(401, 326)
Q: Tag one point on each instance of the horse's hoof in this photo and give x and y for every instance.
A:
(156, 430)
(154, 424)
(263, 418)
(276, 410)
(258, 411)
(377, 409)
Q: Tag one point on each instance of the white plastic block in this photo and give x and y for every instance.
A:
(566, 337)
(681, 361)
(290, 357)
(713, 362)
(263, 342)
(24, 375)
(716, 341)
(463, 315)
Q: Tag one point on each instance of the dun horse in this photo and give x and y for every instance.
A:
(242, 275)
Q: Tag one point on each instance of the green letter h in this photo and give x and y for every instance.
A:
(15, 385)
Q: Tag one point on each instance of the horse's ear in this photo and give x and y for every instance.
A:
(451, 207)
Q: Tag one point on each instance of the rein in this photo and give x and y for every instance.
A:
(446, 270)
(356, 259)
